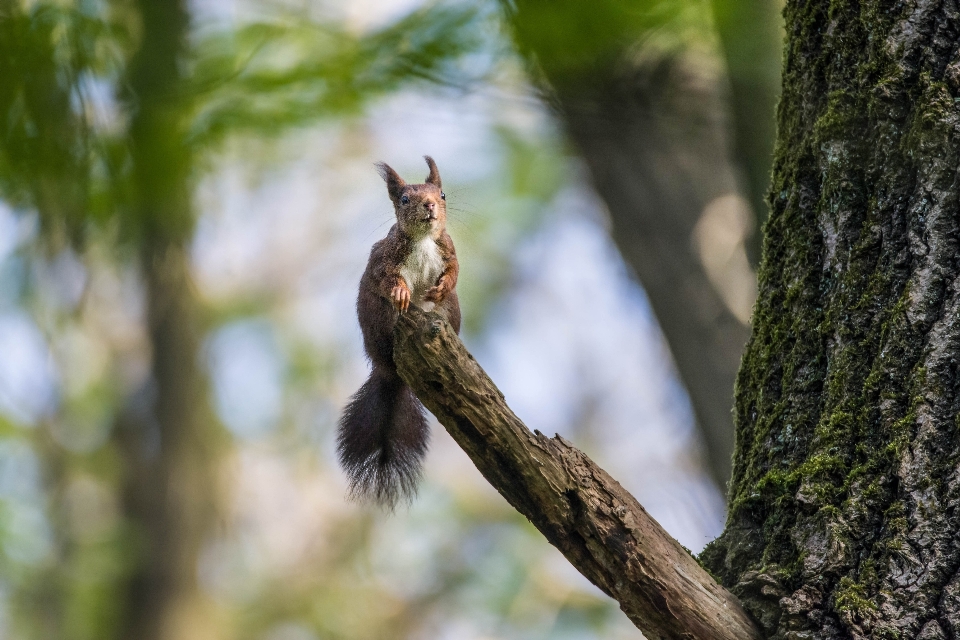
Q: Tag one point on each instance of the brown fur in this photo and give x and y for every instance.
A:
(383, 433)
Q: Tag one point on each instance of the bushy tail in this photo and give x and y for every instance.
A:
(382, 439)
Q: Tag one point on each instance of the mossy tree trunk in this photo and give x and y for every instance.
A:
(845, 497)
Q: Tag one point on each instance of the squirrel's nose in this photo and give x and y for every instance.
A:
(430, 206)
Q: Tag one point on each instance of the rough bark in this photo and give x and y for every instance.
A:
(581, 510)
(651, 130)
(845, 497)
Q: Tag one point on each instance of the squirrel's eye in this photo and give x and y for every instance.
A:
(443, 196)
(404, 199)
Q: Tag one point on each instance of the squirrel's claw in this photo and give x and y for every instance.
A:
(400, 297)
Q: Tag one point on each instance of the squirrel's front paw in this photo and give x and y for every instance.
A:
(436, 294)
(400, 297)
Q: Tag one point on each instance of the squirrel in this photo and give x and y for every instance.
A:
(383, 434)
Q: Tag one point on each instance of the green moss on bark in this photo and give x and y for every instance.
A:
(844, 483)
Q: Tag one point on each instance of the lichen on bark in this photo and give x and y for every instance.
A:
(845, 493)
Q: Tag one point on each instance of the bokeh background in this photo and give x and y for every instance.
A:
(187, 201)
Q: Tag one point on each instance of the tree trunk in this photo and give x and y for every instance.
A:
(650, 127)
(170, 442)
(751, 39)
(656, 182)
(845, 497)
(170, 452)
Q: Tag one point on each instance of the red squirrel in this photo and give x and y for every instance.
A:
(383, 433)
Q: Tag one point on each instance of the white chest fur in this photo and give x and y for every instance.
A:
(421, 270)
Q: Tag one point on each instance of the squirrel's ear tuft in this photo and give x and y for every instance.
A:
(434, 177)
(395, 183)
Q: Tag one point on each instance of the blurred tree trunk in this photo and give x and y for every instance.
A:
(170, 489)
(845, 495)
(651, 128)
(751, 38)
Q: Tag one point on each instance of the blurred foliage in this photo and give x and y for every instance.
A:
(50, 56)
(268, 77)
(75, 80)
(584, 42)
(511, 203)
(66, 104)
(73, 86)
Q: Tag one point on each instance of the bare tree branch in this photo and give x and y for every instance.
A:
(601, 529)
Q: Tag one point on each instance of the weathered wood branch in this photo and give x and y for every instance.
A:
(601, 529)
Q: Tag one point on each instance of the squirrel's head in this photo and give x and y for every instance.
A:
(421, 208)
